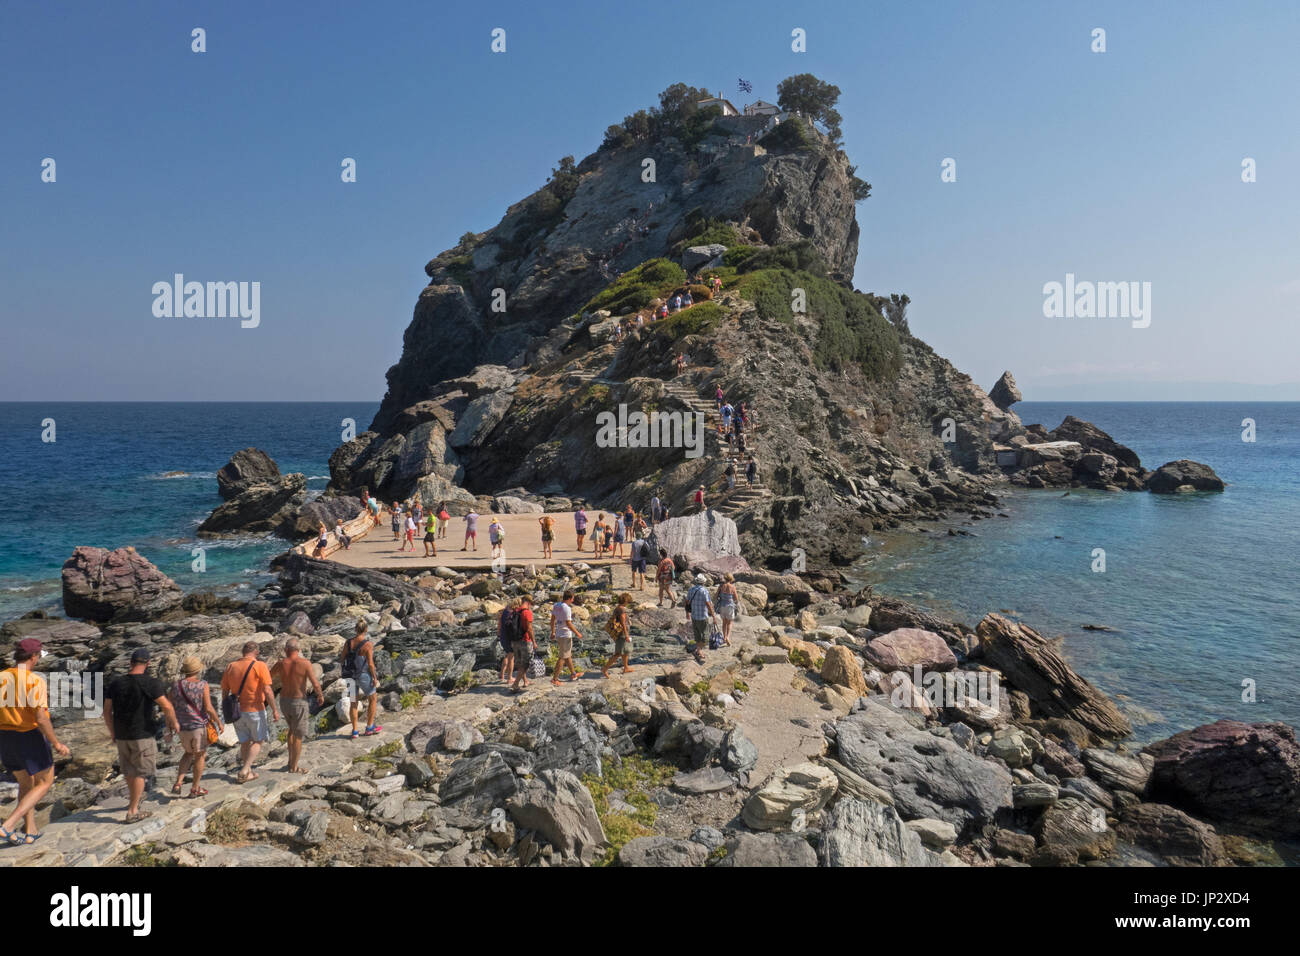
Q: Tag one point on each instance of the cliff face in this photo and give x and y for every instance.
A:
(550, 261)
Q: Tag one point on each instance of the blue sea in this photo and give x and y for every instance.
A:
(1200, 590)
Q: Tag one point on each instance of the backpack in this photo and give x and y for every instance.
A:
(509, 629)
(354, 662)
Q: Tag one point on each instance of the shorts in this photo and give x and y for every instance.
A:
(252, 728)
(564, 645)
(523, 652)
(701, 630)
(428, 536)
(195, 741)
(727, 613)
(25, 750)
(138, 758)
(296, 712)
(638, 566)
(548, 537)
(471, 534)
(365, 685)
(622, 645)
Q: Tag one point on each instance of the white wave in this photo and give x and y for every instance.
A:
(172, 475)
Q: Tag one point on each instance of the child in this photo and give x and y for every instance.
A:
(619, 629)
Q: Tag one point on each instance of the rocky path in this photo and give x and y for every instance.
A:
(97, 835)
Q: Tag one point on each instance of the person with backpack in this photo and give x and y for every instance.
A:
(506, 636)
(699, 612)
(664, 574)
(731, 474)
(359, 668)
(637, 560)
(620, 629)
(523, 645)
(245, 695)
(195, 714)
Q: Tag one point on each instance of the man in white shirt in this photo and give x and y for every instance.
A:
(564, 631)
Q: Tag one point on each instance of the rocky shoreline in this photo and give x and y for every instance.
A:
(828, 734)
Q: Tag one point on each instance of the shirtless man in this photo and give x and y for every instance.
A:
(294, 673)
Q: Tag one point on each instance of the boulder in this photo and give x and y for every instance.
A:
(697, 257)
(791, 798)
(558, 806)
(1183, 475)
(909, 647)
(1244, 775)
(841, 668)
(662, 851)
(246, 467)
(479, 419)
(120, 585)
(768, 850)
(305, 522)
(1092, 438)
(710, 533)
(1032, 664)
(1074, 826)
(1004, 393)
(483, 378)
(1167, 831)
(738, 751)
(262, 506)
(481, 782)
(1117, 771)
(865, 833)
(927, 776)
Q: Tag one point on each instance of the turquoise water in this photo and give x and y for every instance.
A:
(1200, 589)
(103, 482)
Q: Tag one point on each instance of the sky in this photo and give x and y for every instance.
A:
(1115, 166)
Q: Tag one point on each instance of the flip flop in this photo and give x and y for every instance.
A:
(137, 817)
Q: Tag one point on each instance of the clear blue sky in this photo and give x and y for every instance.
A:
(225, 166)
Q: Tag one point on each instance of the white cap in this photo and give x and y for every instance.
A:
(701, 579)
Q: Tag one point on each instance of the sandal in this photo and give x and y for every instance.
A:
(7, 836)
(176, 789)
(198, 792)
(24, 839)
(138, 816)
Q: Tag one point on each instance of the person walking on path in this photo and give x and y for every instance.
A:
(656, 510)
(699, 612)
(471, 529)
(664, 578)
(620, 535)
(194, 712)
(731, 474)
(410, 532)
(728, 601)
(620, 629)
(751, 471)
(359, 667)
(564, 632)
(548, 534)
(637, 560)
(523, 646)
(506, 638)
(27, 740)
(443, 518)
(247, 682)
(396, 512)
(496, 536)
(431, 535)
(296, 674)
(699, 499)
(128, 713)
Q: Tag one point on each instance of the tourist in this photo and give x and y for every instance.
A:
(548, 534)
(731, 474)
(443, 518)
(699, 499)
(656, 510)
(523, 645)
(322, 540)
(128, 713)
(506, 638)
(359, 668)
(495, 535)
(344, 539)
(751, 471)
(397, 521)
(629, 519)
(740, 445)
(580, 525)
(431, 535)
(373, 505)
(664, 574)
(248, 681)
(726, 412)
(563, 632)
(675, 302)
(717, 397)
(609, 535)
(296, 674)
(699, 611)
(410, 532)
(728, 600)
(27, 739)
(636, 559)
(688, 300)
(194, 713)
(639, 528)
(620, 536)
(620, 630)
(471, 529)
(598, 535)
(681, 362)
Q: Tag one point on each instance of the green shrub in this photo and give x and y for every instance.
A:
(735, 255)
(795, 256)
(461, 269)
(411, 698)
(700, 293)
(144, 854)
(635, 288)
(707, 232)
(789, 134)
(697, 320)
(225, 827)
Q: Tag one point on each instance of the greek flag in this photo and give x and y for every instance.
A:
(746, 86)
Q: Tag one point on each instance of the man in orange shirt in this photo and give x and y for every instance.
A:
(27, 739)
(250, 681)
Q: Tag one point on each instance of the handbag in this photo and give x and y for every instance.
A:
(230, 705)
(715, 640)
(213, 736)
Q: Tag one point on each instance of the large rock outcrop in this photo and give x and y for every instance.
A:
(246, 467)
(263, 506)
(123, 585)
(1183, 475)
(1032, 664)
